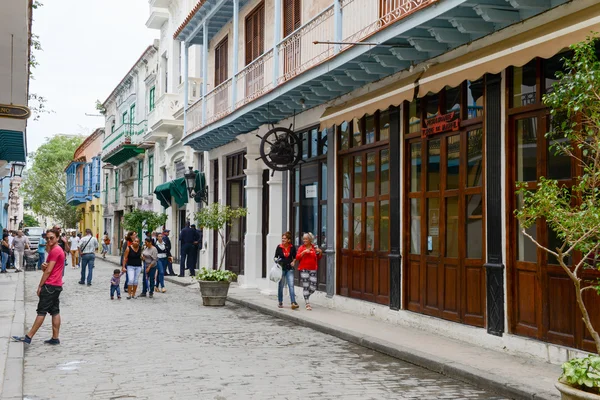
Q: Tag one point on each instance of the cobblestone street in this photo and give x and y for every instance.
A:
(171, 347)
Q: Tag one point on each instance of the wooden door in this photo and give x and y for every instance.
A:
(255, 47)
(292, 20)
(444, 226)
(235, 250)
(221, 99)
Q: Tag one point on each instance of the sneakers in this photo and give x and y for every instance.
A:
(24, 339)
(52, 341)
(128, 297)
(143, 295)
(112, 298)
(151, 295)
(295, 305)
(81, 283)
(156, 289)
(119, 297)
(280, 305)
(163, 290)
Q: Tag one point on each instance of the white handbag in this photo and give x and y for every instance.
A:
(275, 273)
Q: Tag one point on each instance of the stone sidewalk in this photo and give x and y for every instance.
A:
(12, 322)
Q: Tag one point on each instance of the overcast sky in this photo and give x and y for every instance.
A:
(88, 47)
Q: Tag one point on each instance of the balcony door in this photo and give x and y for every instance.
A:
(221, 99)
(291, 53)
(255, 47)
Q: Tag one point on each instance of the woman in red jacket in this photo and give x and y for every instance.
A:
(308, 254)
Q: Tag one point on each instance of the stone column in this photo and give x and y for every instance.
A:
(276, 215)
(253, 238)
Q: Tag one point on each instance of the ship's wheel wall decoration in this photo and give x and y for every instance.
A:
(280, 149)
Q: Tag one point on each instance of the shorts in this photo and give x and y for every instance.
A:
(49, 302)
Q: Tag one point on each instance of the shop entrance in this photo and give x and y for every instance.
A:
(236, 197)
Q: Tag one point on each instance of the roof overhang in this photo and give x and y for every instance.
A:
(122, 154)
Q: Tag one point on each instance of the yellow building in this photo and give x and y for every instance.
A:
(83, 183)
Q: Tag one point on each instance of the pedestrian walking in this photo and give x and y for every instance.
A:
(74, 245)
(308, 255)
(20, 243)
(167, 241)
(4, 252)
(188, 238)
(132, 264)
(150, 256)
(105, 244)
(285, 255)
(87, 249)
(41, 251)
(49, 291)
(127, 241)
(163, 257)
(11, 238)
(115, 284)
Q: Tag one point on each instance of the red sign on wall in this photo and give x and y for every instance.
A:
(440, 124)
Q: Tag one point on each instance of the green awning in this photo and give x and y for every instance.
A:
(12, 146)
(122, 153)
(163, 194)
(179, 191)
(200, 186)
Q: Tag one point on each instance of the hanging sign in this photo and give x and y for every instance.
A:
(440, 124)
(12, 111)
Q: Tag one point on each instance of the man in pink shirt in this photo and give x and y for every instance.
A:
(49, 290)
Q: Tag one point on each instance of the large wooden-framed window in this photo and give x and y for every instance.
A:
(363, 240)
(444, 206)
(221, 99)
(541, 299)
(309, 195)
(255, 47)
(292, 20)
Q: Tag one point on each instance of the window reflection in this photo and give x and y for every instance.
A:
(357, 227)
(415, 167)
(474, 226)
(526, 250)
(453, 99)
(475, 158)
(356, 133)
(414, 116)
(370, 226)
(451, 227)
(433, 226)
(433, 165)
(369, 129)
(358, 171)
(526, 141)
(415, 226)
(475, 98)
(384, 125)
(344, 134)
(453, 162)
(384, 177)
(371, 174)
(524, 85)
(384, 225)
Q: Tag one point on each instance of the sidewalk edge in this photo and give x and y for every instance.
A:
(440, 365)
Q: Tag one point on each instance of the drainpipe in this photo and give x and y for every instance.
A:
(204, 69)
(276, 39)
(236, 17)
(337, 23)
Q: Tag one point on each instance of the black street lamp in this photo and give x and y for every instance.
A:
(17, 169)
(190, 183)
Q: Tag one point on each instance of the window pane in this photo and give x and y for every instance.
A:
(323, 233)
(323, 181)
(475, 158)
(553, 243)
(551, 66)
(297, 185)
(344, 135)
(524, 84)
(475, 99)
(370, 129)
(433, 165)
(474, 226)
(384, 125)
(371, 174)
(384, 178)
(415, 167)
(526, 132)
(345, 225)
(305, 137)
(296, 228)
(346, 177)
(453, 167)
(433, 226)
(414, 116)
(324, 141)
(526, 250)
(356, 133)
(415, 226)
(559, 164)
(432, 106)
(358, 172)
(314, 142)
(370, 226)
(384, 225)
(453, 100)
(452, 227)
(357, 227)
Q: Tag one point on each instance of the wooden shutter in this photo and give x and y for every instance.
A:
(255, 34)
(291, 16)
(221, 62)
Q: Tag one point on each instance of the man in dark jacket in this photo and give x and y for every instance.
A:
(168, 246)
(188, 238)
(198, 245)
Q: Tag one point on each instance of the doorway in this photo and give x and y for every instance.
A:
(236, 197)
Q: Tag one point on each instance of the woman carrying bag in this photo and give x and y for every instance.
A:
(308, 254)
(285, 256)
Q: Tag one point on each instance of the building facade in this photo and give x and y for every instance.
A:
(84, 183)
(416, 118)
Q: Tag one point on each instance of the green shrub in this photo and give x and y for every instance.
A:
(582, 373)
(215, 275)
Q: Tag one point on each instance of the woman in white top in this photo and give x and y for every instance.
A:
(74, 243)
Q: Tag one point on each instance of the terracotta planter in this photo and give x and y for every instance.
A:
(570, 393)
(214, 293)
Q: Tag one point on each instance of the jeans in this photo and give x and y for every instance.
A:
(87, 260)
(287, 277)
(4, 258)
(169, 268)
(113, 289)
(132, 274)
(187, 252)
(145, 281)
(151, 276)
(162, 264)
(41, 260)
(105, 249)
(19, 260)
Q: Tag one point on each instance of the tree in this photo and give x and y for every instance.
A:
(573, 213)
(29, 220)
(139, 220)
(45, 187)
(217, 217)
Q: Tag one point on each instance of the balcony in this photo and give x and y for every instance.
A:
(324, 58)
(158, 16)
(159, 3)
(161, 119)
(122, 144)
(76, 189)
(194, 93)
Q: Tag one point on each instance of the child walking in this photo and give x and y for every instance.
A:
(114, 284)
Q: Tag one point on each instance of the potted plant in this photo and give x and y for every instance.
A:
(214, 283)
(573, 213)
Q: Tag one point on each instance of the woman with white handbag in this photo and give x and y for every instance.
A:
(285, 254)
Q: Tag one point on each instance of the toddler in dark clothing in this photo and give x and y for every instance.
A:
(114, 284)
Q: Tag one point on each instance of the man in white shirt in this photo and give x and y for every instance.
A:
(19, 244)
(11, 237)
(74, 244)
(87, 249)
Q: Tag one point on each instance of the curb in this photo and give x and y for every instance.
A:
(440, 365)
(12, 387)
